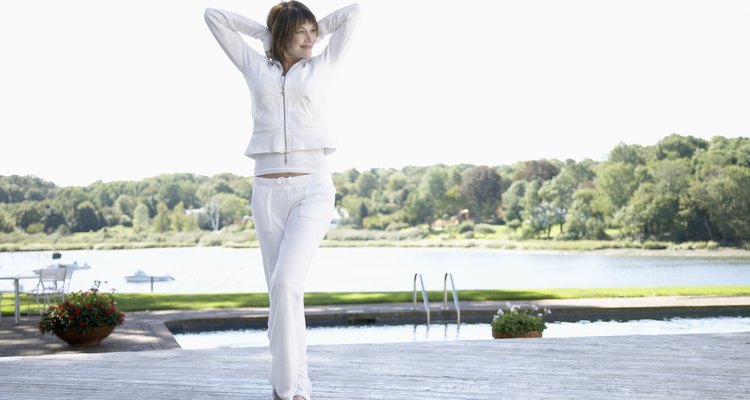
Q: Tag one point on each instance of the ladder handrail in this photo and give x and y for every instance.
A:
(424, 296)
(455, 296)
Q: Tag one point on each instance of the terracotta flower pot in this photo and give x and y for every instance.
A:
(94, 336)
(503, 335)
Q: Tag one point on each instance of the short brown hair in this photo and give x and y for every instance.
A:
(283, 20)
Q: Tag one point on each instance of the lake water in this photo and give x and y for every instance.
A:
(443, 332)
(212, 270)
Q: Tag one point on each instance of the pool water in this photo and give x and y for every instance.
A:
(441, 332)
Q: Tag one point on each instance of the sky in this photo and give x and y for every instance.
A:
(107, 91)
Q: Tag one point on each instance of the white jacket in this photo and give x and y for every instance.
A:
(288, 111)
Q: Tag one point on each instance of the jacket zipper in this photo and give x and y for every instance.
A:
(283, 102)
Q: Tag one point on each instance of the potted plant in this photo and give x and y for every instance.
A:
(514, 322)
(84, 318)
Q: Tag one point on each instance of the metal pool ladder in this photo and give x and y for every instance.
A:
(455, 297)
(424, 296)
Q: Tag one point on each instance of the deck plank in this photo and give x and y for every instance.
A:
(618, 367)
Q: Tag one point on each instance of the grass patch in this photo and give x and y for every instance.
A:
(158, 301)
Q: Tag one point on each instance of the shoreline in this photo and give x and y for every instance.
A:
(600, 248)
(613, 251)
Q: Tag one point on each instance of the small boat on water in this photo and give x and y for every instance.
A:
(74, 266)
(142, 277)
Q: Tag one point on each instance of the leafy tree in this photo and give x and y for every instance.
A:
(181, 222)
(537, 216)
(141, 219)
(481, 188)
(353, 206)
(537, 170)
(67, 200)
(224, 209)
(722, 152)
(632, 154)
(618, 181)
(16, 189)
(725, 196)
(513, 200)
(126, 205)
(396, 182)
(11, 193)
(162, 221)
(86, 218)
(35, 194)
(557, 193)
(650, 213)
(102, 195)
(28, 213)
(672, 175)
(366, 183)
(53, 218)
(212, 211)
(586, 219)
(169, 194)
(7, 224)
(363, 213)
(682, 188)
(350, 175)
(433, 185)
(110, 216)
(344, 183)
(242, 187)
(676, 146)
(419, 208)
(211, 188)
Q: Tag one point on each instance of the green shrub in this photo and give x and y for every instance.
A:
(486, 229)
(651, 245)
(466, 226)
(396, 226)
(35, 228)
(514, 321)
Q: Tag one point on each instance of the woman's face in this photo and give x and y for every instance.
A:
(301, 43)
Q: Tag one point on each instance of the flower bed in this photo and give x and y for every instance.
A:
(84, 311)
(513, 321)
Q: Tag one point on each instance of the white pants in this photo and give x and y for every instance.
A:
(291, 218)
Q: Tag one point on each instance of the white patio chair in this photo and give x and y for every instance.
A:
(51, 283)
(69, 269)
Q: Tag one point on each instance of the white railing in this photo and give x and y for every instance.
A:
(424, 297)
(455, 297)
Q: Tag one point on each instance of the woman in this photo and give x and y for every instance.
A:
(293, 193)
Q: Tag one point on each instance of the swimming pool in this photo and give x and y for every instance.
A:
(475, 331)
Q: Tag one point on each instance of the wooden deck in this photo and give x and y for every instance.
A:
(711, 366)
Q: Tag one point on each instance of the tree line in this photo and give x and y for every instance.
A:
(681, 189)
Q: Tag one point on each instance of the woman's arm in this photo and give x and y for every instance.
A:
(340, 24)
(226, 27)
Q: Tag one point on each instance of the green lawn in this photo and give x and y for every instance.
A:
(156, 301)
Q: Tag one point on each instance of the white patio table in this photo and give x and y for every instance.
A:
(17, 297)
